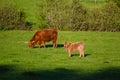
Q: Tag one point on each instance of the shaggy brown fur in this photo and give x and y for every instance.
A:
(77, 46)
(42, 36)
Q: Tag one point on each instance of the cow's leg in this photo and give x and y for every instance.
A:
(54, 43)
(44, 44)
(39, 45)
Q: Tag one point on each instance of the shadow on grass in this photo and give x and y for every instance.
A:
(79, 54)
(58, 45)
(50, 46)
(7, 73)
(5, 69)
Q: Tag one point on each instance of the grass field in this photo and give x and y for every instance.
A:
(19, 62)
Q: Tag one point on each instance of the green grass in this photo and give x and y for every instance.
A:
(19, 62)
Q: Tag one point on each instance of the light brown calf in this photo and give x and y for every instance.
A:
(77, 46)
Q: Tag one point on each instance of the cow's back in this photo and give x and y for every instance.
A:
(48, 34)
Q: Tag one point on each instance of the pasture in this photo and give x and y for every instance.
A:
(19, 62)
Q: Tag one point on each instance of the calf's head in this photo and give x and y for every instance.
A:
(67, 44)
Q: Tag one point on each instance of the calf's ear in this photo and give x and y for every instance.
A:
(68, 44)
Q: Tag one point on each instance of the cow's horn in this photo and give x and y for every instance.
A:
(33, 41)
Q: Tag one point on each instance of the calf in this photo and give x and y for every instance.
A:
(42, 36)
(77, 46)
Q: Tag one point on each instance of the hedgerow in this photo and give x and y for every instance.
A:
(11, 17)
(75, 16)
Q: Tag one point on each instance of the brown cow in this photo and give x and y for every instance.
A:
(42, 36)
(77, 46)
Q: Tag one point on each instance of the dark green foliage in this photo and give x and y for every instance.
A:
(11, 17)
(54, 13)
(106, 18)
(117, 2)
(78, 16)
(111, 17)
(75, 16)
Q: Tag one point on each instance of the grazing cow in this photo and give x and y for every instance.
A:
(77, 46)
(42, 36)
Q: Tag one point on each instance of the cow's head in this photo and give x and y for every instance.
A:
(31, 44)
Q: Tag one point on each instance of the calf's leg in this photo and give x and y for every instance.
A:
(82, 53)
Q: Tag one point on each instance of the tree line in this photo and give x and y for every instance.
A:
(64, 15)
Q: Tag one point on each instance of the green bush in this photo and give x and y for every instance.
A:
(75, 16)
(78, 16)
(111, 17)
(54, 13)
(11, 17)
(117, 2)
(106, 18)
